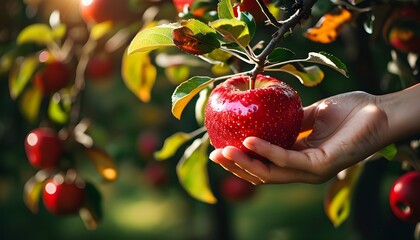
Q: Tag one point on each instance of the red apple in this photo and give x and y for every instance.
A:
(96, 11)
(401, 29)
(63, 195)
(155, 174)
(404, 197)
(147, 143)
(180, 4)
(252, 7)
(100, 67)
(235, 189)
(43, 148)
(271, 111)
(53, 77)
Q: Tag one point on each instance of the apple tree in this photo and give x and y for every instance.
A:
(227, 36)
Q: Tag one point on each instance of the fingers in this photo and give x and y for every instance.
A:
(224, 157)
(309, 113)
(299, 160)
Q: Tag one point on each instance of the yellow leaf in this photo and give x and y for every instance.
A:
(192, 171)
(99, 30)
(338, 197)
(103, 162)
(139, 74)
(30, 104)
(171, 145)
(36, 33)
(310, 76)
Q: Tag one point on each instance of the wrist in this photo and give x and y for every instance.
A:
(403, 112)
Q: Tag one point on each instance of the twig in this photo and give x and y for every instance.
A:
(301, 13)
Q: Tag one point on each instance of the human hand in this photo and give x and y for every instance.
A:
(346, 129)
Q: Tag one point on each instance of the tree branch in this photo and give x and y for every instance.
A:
(301, 13)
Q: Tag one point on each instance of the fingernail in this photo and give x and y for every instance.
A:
(248, 143)
(212, 157)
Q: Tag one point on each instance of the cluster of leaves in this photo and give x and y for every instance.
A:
(221, 42)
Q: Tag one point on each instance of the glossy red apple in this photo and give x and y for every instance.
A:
(53, 77)
(235, 189)
(96, 11)
(272, 110)
(63, 195)
(404, 197)
(43, 148)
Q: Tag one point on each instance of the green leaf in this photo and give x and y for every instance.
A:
(33, 188)
(250, 22)
(280, 55)
(308, 76)
(21, 75)
(177, 74)
(389, 152)
(195, 37)
(200, 105)
(30, 104)
(186, 91)
(36, 33)
(91, 213)
(171, 145)
(233, 30)
(59, 108)
(139, 74)
(192, 171)
(225, 9)
(103, 162)
(152, 38)
(100, 29)
(337, 202)
(328, 60)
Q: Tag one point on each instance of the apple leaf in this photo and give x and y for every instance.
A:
(30, 104)
(103, 162)
(328, 60)
(177, 74)
(100, 29)
(91, 212)
(308, 76)
(59, 32)
(225, 9)
(33, 188)
(21, 75)
(329, 26)
(36, 33)
(192, 171)
(59, 108)
(152, 38)
(233, 30)
(338, 197)
(200, 105)
(171, 145)
(280, 55)
(186, 91)
(195, 37)
(250, 22)
(7, 61)
(139, 74)
(389, 152)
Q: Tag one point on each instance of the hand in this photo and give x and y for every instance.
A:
(346, 129)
